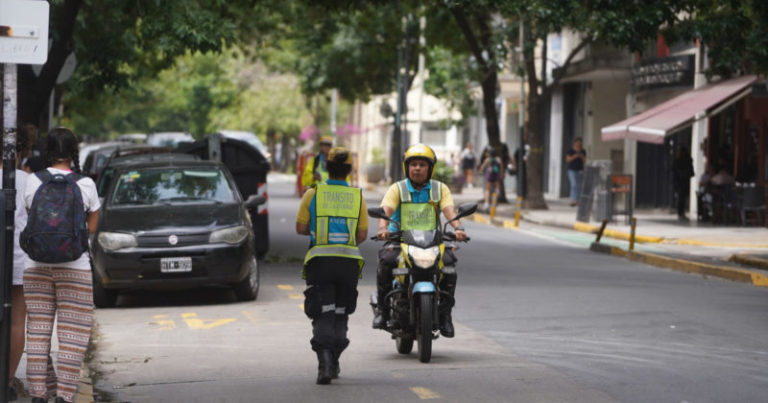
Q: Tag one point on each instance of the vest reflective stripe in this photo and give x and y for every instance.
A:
(405, 195)
(352, 231)
(420, 216)
(338, 250)
(341, 202)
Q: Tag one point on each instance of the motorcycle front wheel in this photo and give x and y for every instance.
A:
(424, 327)
(404, 345)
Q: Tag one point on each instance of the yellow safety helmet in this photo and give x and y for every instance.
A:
(340, 155)
(419, 151)
(326, 140)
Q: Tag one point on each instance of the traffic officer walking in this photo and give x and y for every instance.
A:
(334, 216)
(416, 203)
(315, 171)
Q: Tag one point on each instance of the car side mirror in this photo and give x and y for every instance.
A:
(255, 201)
(377, 212)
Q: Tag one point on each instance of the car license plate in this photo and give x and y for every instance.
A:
(175, 264)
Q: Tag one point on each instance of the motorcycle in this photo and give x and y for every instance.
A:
(416, 301)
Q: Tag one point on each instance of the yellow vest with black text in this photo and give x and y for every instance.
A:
(420, 215)
(341, 202)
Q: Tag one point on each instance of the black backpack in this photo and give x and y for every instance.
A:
(56, 230)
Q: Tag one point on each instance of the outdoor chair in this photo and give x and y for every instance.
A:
(724, 204)
(752, 209)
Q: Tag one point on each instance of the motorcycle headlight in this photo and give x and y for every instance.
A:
(233, 235)
(424, 258)
(111, 241)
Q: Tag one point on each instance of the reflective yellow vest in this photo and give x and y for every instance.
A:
(420, 216)
(335, 201)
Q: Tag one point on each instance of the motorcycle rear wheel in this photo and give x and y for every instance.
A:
(424, 327)
(404, 345)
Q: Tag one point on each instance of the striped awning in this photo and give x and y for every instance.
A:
(680, 112)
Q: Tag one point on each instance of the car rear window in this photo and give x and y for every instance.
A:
(172, 186)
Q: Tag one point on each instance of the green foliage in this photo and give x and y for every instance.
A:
(200, 93)
(449, 79)
(734, 32)
(377, 156)
(443, 172)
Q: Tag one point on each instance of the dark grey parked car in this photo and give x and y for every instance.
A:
(174, 224)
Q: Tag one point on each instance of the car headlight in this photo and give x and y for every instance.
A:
(233, 235)
(424, 258)
(114, 240)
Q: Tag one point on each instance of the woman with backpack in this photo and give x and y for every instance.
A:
(63, 209)
(492, 169)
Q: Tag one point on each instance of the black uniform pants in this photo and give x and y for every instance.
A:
(330, 297)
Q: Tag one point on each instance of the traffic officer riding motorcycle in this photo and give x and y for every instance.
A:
(333, 215)
(415, 203)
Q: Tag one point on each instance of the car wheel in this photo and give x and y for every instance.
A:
(248, 289)
(102, 297)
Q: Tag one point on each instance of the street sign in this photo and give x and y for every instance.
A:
(24, 31)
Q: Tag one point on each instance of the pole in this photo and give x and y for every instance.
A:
(521, 168)
(9, 172)
(334, 103)
(633, 222)
(395, 157)
(518, 207)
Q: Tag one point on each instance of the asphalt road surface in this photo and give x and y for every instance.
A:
(539, 319)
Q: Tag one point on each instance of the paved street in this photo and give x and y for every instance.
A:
(539, 318)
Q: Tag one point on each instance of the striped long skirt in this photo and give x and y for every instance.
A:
(52, 292)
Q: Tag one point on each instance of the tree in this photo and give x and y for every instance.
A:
(624, 24)
(735, 34)
(116, 41)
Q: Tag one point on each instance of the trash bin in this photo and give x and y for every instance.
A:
(249, 168)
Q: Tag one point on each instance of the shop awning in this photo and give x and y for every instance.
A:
(680, 112)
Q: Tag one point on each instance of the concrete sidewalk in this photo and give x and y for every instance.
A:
(734, 253)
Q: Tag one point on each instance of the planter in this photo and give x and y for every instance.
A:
(374, 173)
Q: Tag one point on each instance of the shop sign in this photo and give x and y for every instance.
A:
(664, 72)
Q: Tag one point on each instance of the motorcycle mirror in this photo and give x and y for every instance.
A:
(377, 212)
(466, 209)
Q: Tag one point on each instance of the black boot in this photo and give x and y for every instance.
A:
(381, 314)
(379, 322)
(324, 367)
(335, 368)
(446, 325)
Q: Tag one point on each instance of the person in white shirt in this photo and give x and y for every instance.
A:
(59, 289)
(18, 308)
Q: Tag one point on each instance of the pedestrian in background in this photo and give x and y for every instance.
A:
(334, 215)
(468, 161)
(314, 171)
(682, 171)
(492, 169)
(18, 307)
(57, 275)
(576, 158)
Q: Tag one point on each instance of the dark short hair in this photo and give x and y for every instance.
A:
(337, 170)
(578, 139)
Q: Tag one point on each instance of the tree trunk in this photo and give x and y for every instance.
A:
(535, 166)
(34, 92)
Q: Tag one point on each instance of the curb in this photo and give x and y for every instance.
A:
(687, 266)
(612, 233)
(749, 260)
